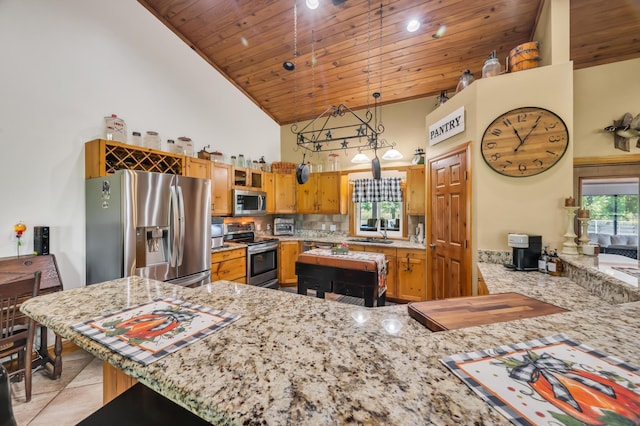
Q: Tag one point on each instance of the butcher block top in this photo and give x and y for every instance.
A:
(357, 260)
(462, 312)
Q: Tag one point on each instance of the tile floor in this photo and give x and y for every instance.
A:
(62, 402)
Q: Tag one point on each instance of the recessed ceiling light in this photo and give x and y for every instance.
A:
(313, 4)
(413, 25)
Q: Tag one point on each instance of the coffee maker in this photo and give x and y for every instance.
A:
(526, 251)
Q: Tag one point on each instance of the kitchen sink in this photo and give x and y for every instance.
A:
(370, 240)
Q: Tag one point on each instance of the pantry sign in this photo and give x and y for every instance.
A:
(449, 126)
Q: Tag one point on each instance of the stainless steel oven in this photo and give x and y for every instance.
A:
(262, 253)
(262, 264)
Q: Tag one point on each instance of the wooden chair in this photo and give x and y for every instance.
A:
(18, 329)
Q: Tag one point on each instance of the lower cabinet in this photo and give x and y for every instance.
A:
(288, 252)
(412, 275)
(229, 265)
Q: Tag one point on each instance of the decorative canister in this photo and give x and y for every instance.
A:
(152, 140)
(524, 56)
(115, 129)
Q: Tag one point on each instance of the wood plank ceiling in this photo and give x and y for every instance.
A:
(357, 53)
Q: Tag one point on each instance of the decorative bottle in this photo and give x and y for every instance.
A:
(542, 261)
(554, 265)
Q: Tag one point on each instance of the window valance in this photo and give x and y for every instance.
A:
(374, 190)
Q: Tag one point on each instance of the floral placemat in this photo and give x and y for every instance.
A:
(152, 330)
(552, 381)
(634, 272)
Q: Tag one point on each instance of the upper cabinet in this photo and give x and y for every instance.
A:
(247, 178)
(198, 168)
(221, 189)
(103, 157)
(285, 193)
(320, 195)
(415, 193)
(269, 186)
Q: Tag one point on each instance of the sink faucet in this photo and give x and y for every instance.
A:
(382, 231)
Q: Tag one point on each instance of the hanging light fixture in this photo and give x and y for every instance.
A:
(360, 158)
(363, 133)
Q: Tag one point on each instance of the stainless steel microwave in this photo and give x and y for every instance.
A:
(249, 203)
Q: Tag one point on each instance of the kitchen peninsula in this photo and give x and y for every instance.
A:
(293, 359)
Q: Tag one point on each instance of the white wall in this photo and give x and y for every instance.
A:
(65, 64)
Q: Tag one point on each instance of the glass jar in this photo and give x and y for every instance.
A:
(152, 140)
(491, 66)
(465, 80)
(217, 157)
(334, 162)
(240, 160)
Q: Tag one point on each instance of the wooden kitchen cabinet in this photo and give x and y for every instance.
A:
(285, 192)
(248, 179)
(221, 189)
(415, 190)
(198, 168)
(103, 157)
(288, 252)
(269, 187)
(230, 265)
(412, 275)
(320, 195)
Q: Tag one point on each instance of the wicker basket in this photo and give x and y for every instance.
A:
(283, 167)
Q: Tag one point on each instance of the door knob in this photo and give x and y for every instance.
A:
(432, 246)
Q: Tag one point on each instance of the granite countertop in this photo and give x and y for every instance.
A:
(293, 359)
(341, 238)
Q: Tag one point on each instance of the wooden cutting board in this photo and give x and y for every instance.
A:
(461, 312)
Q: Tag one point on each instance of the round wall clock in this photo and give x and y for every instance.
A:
(524, 142)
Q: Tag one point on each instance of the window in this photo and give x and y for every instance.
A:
(612, 205)
(379, 218)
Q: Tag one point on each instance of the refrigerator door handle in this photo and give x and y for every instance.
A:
(174, 226)
(181, 220)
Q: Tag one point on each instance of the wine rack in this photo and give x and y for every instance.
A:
(104, 157)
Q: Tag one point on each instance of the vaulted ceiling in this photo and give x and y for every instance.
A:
(362, 46)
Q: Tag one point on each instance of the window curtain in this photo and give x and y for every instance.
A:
(373, 190)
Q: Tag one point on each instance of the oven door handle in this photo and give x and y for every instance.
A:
(261, 248)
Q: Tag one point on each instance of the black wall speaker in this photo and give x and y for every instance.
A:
(41, 240)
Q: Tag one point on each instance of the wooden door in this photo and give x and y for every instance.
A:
(287, 255)
(411, 275)
(328, 193)
(221, 189)
(269, 186)
(306, 195)
(415, 190)
(448, 241)
(198, 168)
(285, 188)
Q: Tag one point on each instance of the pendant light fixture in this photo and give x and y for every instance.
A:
(361, 133)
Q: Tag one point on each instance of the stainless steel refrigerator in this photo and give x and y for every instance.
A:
(153, 225)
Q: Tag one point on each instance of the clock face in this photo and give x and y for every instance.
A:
(524, 142)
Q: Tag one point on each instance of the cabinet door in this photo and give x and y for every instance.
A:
(221, 189)
(306, 195)
(412, 275)
(269, 186)
(230, 270)
(287, 255)
(416, 185)
(328, 193)
(198, 168)
(285, 188)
